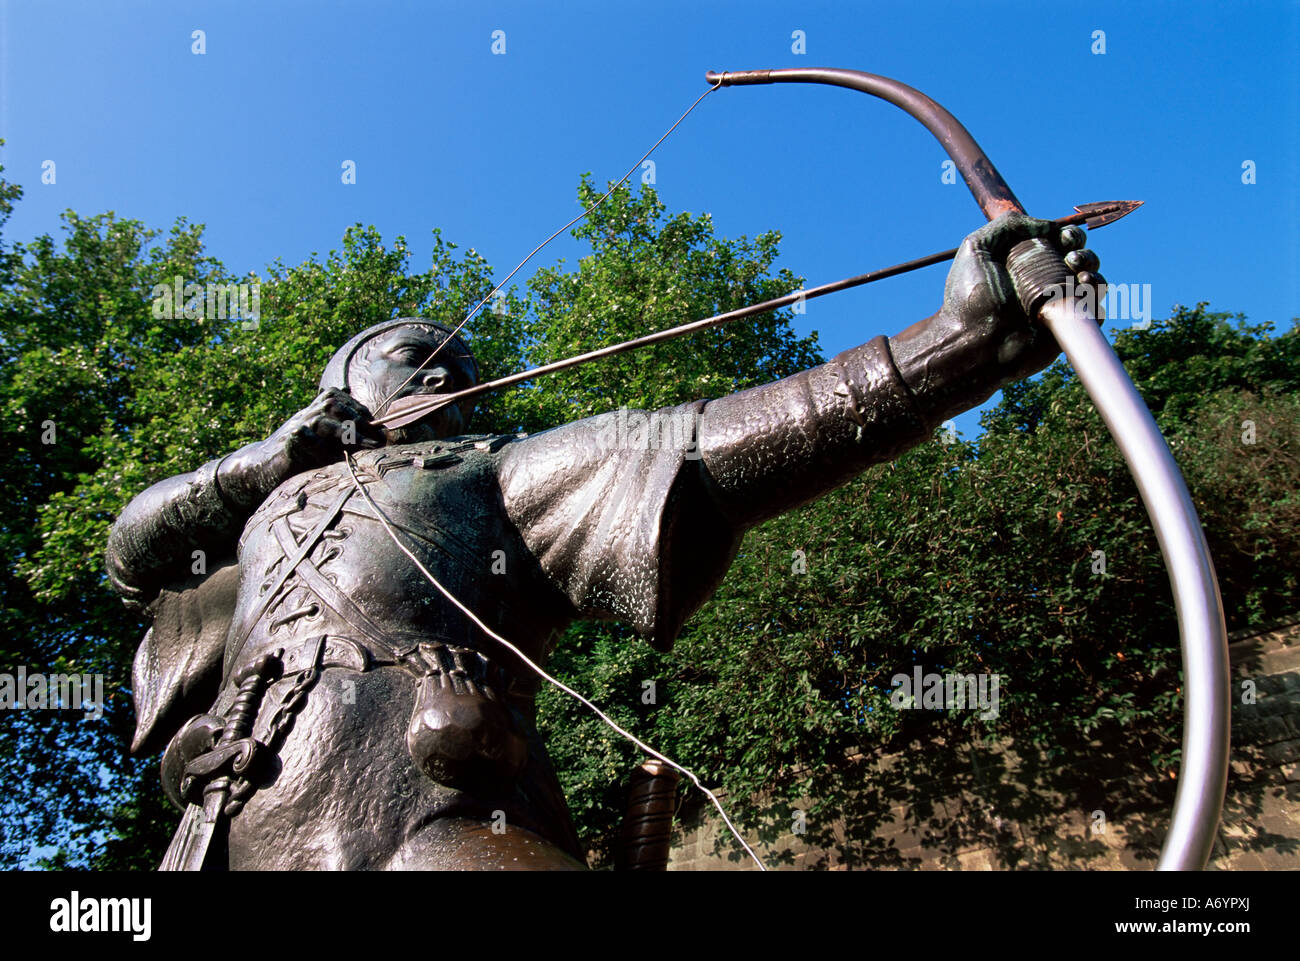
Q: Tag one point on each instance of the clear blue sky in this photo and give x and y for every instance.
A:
(248, 138)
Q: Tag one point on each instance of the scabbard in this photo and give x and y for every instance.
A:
(648, 826)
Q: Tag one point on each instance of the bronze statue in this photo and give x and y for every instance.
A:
(325, 707)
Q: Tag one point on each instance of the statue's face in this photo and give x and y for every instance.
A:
(398, 357)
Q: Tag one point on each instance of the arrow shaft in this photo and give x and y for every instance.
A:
(407, 410)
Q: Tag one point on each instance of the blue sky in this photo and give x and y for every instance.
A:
(249, 137)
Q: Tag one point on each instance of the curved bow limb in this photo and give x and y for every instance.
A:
(1037, 269)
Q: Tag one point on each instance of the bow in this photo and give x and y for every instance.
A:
(1037, 269)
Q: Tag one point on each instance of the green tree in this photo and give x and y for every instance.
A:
(648, 272)
(75, 332)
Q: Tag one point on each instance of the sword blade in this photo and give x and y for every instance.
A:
(189, 848)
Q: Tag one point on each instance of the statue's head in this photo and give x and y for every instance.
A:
(388, 361)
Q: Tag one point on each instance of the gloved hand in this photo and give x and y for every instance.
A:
(981, 339)
(315, 436)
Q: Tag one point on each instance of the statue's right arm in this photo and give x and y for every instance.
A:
(152, 544)
(154, 540)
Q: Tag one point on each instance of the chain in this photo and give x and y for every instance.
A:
(290, 705)
(280, 724)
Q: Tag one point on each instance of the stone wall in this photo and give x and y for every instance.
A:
(1009, 806)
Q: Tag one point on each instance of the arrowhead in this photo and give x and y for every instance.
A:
(1107, 212)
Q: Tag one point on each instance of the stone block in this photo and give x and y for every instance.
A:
(979, 860)
(904, 836)
(1129, 860)
(1242, 767)
(1281, 752)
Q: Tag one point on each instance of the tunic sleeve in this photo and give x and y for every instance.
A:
(621, 518)
(637, 516)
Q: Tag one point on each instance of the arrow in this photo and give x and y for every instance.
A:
(407, 410)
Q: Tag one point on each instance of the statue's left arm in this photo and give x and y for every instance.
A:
(633, 529)
(774, 447)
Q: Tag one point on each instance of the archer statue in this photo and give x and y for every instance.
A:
(325, 706)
